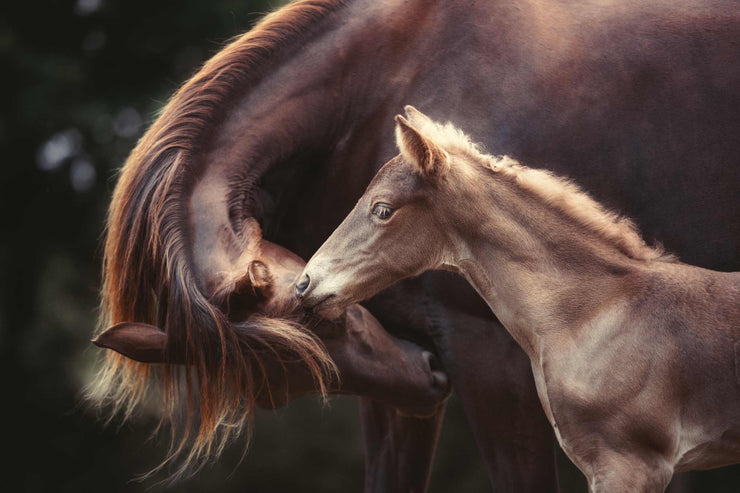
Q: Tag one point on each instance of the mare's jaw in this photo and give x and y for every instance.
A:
(395, 371)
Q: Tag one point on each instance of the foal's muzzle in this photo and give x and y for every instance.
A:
(302, 286)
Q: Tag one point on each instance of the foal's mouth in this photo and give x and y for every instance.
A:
(316, 306)
(330, 307)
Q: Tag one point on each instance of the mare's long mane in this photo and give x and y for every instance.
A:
(556, 191)
(147, 267)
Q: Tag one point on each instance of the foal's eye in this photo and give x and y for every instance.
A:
(382, 211)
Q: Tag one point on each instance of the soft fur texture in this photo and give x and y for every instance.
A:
(556, 191)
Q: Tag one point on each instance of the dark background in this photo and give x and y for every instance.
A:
(81, 81)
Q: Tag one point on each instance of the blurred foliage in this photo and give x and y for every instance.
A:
(82, 80)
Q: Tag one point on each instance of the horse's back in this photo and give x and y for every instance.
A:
(637, 102)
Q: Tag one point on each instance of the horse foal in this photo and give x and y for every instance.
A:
(635, 355)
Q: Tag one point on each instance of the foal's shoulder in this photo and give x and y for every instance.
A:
(680, 277)
(686, 294)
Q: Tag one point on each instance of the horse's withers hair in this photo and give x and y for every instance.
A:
(148, 276)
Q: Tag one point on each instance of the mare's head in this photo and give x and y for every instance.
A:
(355, 355)
(216, 327)
(399, 227)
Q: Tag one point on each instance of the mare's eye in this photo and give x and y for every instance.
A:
(382, 211)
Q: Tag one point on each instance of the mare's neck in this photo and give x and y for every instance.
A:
(540, 271)
(304, 113)
(322, 89)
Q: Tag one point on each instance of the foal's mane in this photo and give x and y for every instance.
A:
(556, 191)
(147, 266)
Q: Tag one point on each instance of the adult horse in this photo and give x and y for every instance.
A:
(289, 123)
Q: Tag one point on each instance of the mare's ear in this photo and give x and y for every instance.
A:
(258, 280)
(141, 342)
(428, 156)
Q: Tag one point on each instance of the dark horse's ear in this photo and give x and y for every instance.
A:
(141, 342)
(428, 156)
(257, 281)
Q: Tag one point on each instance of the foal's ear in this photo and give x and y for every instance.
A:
(416, 117)
(428, 156)
(141, 342)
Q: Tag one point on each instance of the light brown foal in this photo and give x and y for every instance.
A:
(636, 356)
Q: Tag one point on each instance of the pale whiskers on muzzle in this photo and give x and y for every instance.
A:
(319, 290)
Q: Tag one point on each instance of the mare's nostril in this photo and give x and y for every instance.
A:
(439, 377)
(302, 285)
(431, 360)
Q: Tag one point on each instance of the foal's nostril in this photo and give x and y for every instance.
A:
(302, 285)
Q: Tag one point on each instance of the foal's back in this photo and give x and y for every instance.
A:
(694, 302)
(697, 311)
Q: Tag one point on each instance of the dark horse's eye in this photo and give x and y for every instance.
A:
(382, 211)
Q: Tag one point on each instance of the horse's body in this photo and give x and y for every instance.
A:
(289, 123)
(635, 355)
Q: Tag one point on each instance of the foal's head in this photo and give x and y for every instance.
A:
(439, 198)
(398, 227)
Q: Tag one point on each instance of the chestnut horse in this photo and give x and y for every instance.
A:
(289, 122)
(635, 354)
(364, 358)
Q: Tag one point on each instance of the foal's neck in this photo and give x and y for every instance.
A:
(540, 270)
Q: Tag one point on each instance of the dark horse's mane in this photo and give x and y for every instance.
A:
(147, 265)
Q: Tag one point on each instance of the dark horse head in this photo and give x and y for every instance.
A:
(214, 310)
